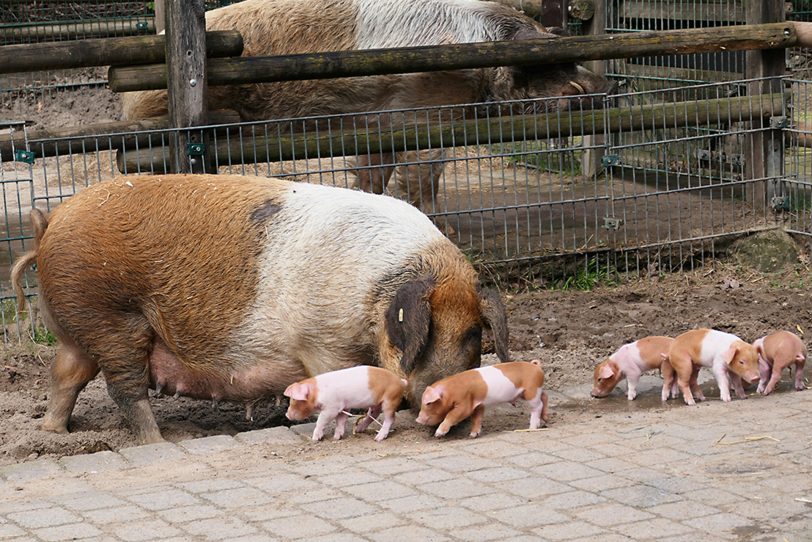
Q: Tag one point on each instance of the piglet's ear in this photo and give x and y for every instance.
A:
(297, 391)
(431, 395)
(730, 355)
(606, 372)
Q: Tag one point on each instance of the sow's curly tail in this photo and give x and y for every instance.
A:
(40, 223)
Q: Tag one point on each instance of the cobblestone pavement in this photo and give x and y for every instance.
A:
(738, 471)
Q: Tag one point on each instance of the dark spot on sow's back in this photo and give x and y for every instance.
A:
(265, 211)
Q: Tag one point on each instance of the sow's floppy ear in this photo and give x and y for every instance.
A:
(408, 320)
(495, 317)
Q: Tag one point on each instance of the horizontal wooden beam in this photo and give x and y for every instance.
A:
(32, 32)
(260, 149)
(129, 50)
(89, 138)
(232, 71)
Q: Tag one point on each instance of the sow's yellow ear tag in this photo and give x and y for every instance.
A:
(400, 316)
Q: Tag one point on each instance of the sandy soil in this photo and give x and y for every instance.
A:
(568, 330)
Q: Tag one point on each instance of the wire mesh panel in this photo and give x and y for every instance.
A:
(796, 200)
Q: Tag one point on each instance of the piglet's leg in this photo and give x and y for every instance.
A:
(669, 381)
(684, 372)
(799, 375)
(764, 370)
(388, 420)
(631, 383)
(695, 389)
(723, 381)
(325, 417)
(736, 381)
(372, 414)
(341, 425)
(476, 421)
(455, 416)
(538, 409)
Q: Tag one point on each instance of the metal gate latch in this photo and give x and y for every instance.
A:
(24, 156)
(196, 149)
(612, 223)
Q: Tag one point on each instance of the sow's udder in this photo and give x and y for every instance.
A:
(170, 376)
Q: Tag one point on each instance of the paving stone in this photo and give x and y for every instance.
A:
(641, 496)
(719, 523)
(532, 487)
(529, 515)
(393, 466)
(493, 448)
(277, 483)
(572, 499)
(351, 477)
(7, 530)
(67, 532)
(90, 501)
(338, 537)
(408, 533)
(238, 497)
(117, 514)
(491, 531)
(341, 508)
(570, 530)
(161, 500)
(653, 529)
(460, 463)
(411, 503)
(458, 488)
(189, 513)
(375, 521)
(252, 538)
(531, 459)
(33, 470)
(152, 453)
(612, 465)
(492, 501)
(298, 527)
(272, 436)
(43, 517)
(447, 518)
(601, 483)
(268, 511)
(93, 463)
(579, 455)
(565, 471)
(612, 514)
(209, 445)
(683, 510)
(306, 430)
(141, 530)
(715, 496)
(380, 491)
(418, 477)
(319, 494)
(210, 485)
(218, 528)
(496, 474)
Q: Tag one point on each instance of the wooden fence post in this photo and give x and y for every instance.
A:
(591, 159)
(186, 80)
(765, 156)
(160, 16)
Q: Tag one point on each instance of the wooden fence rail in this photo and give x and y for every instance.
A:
(31, 57)
(258, 149)
(231, 71)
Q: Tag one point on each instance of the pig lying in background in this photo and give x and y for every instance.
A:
(630, 362)
(334, 392)
(724, 353)
(777, 351)
(226, 287)
(453, 399)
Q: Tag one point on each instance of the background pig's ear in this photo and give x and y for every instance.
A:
(495, 317)
(408, 319)
(297, 391)
(432, 394)
(606, 371)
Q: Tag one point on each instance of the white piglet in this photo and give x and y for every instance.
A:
(335, 392)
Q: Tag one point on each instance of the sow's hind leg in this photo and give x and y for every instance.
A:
(71, 371)
(122, 347)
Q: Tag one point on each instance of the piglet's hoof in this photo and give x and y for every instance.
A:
(474, 434)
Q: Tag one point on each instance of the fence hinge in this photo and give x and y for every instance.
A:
(196, 149)
(612, 223)
(779, 203)
(610, 160)
(24, 156)
(778, 122)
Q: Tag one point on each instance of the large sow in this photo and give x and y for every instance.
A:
(232, 288)
(284, 27)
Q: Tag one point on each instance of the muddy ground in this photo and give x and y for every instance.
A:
(568, 330)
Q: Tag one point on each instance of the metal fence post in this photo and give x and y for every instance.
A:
(186, 81)
(765, 156)
(591, 159)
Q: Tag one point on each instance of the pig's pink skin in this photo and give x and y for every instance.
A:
(632, 366)
(772, 364)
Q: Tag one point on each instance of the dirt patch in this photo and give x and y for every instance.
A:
(568, 330)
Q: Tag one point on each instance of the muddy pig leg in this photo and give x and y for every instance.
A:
(476, 421)
(697, 391)
(71, 371)
(799, 374)
(371, 415)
